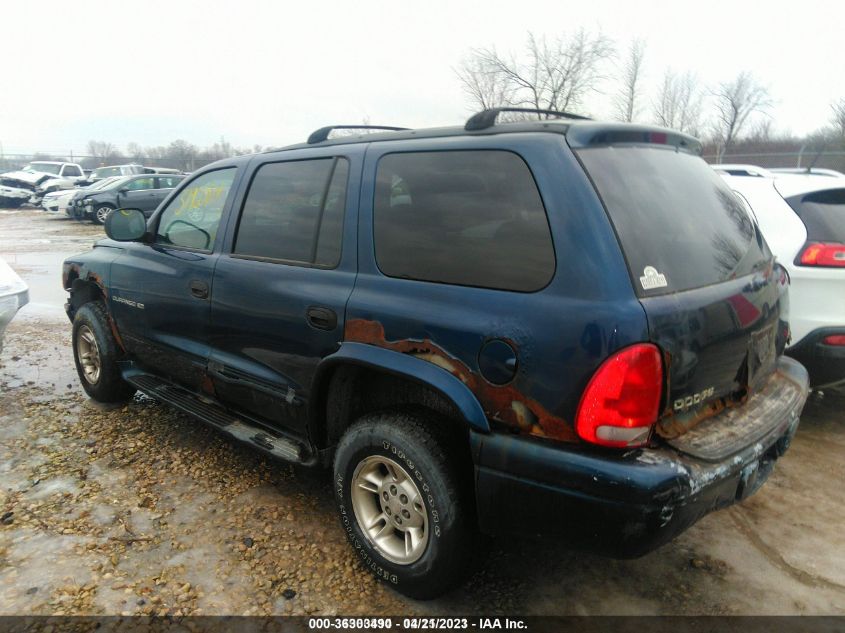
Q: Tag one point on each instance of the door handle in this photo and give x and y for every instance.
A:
(199, 289)
(321, 318)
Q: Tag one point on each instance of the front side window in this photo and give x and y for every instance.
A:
(192, 218)
(294, 212)
(472, 218)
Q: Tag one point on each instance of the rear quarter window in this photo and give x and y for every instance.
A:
(680, 226)
(471, 218)
(823, 213)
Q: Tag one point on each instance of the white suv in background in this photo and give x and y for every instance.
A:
(802, 217)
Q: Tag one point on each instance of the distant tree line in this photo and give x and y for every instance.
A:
(179, 154)
(563, 73)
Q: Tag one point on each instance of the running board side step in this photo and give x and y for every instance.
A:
(218, 417)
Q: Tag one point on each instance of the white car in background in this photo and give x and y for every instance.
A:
(71, 172)
(811, 171)
(56, 201)
(802, 217)
(14, 295)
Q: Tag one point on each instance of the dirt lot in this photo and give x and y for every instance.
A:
(138, 509)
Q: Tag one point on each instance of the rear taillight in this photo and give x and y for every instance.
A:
(823, 254)
(622, 399)
(834, 339)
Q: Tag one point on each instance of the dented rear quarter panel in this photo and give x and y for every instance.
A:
(561, 333)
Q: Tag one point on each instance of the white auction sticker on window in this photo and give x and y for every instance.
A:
(652, 279)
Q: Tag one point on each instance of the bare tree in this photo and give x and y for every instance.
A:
(182, 154)
(761, 132)
(736, 101)
(485, 86)
(679, 101)
(135, 152)
(838, 118)
(627, 101)
(553, 75)
(104, 152)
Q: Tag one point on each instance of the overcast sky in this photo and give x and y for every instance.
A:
(268, 73)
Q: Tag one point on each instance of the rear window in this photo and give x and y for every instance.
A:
(679, 224)
(823, 213)
(471, 218)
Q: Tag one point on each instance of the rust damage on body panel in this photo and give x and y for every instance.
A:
(504, 404)
(675, 423)
(75, 271)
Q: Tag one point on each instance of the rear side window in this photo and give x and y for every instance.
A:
(823, 213)
(679, 224)
(139, 184)
(168, 182)
(72, 171)
(471, 218)
(294, 212)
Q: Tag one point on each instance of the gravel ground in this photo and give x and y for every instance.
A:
(138, 509)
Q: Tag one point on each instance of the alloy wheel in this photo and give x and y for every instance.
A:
(89, 354)
(390, 510)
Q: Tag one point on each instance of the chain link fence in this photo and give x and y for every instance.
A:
(827, 160)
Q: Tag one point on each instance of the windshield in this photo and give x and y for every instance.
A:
(105, 182)
(679, 224)
(115, 182)
(44, 168)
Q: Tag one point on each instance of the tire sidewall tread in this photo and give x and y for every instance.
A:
(424, 447)
(110, 387)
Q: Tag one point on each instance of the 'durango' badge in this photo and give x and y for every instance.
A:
(652, 279)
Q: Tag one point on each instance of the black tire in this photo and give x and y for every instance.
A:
(108, 385)
(430, 452)
(100, 213)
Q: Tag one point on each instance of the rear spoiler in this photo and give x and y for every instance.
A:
(589, 134)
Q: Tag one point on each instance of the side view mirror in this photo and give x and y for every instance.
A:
(126, 225)
(124, 190)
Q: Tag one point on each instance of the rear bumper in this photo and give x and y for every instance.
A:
(825, 363)
(618, 504)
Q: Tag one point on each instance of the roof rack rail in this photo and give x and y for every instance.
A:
(318, 136)
(487, 118)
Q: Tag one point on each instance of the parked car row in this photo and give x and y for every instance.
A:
(562, 326)
(54, 186)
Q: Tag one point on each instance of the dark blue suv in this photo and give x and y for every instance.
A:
(549, 326)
